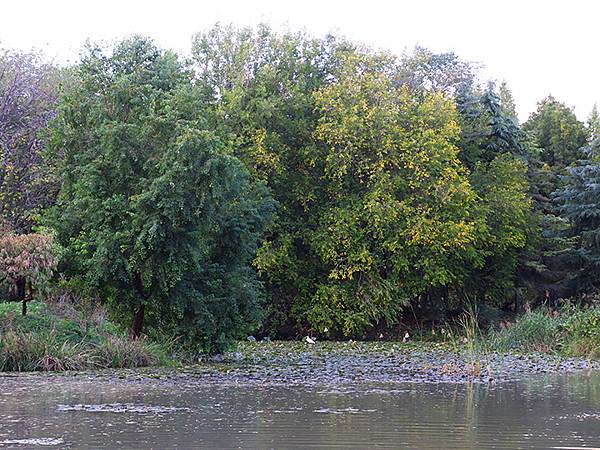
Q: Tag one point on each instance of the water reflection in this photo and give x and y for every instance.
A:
(541, 412)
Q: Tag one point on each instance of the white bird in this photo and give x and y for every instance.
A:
(406, 336)
(325, 330)
(309, 340)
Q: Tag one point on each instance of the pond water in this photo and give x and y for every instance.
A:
(551, 411)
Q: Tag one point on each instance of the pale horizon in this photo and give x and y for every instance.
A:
(538, 48)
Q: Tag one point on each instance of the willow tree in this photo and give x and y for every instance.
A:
(154, 213)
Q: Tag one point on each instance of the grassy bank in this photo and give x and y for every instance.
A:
(570, 331)
(56, 336)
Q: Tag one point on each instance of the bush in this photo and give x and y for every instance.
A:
(583, 331)
(57, 336)
(26, 263)
(536, 331)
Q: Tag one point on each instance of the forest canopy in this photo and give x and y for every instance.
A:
(281, 184)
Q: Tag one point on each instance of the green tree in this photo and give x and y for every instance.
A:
(579, 201)
(507, 100)
(399, 217)
(262, 85)
(559, 138)
(558, 133)
(154, 212)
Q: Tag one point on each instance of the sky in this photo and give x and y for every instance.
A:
(537, 47)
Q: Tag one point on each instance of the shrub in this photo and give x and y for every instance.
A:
(583, 333)
(26, 263)
(536, 331)
(57, 336)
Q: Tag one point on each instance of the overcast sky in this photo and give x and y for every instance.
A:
(538, 47)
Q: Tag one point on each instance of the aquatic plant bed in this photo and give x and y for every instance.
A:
(326, 363)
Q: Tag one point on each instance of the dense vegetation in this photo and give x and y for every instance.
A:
(56, 336)
(281, 184)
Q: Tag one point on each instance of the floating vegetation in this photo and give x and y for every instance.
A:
(120, 408)
(343, 411)
(33, 441)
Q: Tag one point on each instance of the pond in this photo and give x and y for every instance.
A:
(543, 411)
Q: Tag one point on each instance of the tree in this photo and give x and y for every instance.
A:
(487, 130)
(593, 123)
(558, 133)
(579, 202)
(398, 217)
(507, 100)
(559, 138)
(154, 212)
(27, 263)
(496, 151)
(262, 85)
(28, 97)
(436, 72)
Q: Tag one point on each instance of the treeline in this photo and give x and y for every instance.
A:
(279, 183)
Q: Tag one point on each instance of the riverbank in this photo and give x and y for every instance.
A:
(339, 363)
(55, 336)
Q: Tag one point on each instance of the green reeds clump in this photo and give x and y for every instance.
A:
(26, 351)
(535, 331)
(119, 351)
(474, 343)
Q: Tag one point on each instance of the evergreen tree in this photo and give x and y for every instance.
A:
(579, 202)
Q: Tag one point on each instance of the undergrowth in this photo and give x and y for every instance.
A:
(57, 336)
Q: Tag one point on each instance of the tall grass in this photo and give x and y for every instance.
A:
(571, 331)
(535, 331)
(58, 337)
(473, 340)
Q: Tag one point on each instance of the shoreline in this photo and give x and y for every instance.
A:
(326, 363)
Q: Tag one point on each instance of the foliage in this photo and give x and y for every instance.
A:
(593, 124)
(495, 149)
(488, 130)
(28, 99)
(312, 117)
(27, 263)
(154, 212)
(557, 131)
(262, 85)
(506, 208)
(583, 328)
(51, 338)
(443, 72)
(399, 218)
(535, 331)
(398, 181)
(579, 200)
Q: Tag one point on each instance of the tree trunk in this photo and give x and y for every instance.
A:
(21, 288)
(22, 294)
(138, 322)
